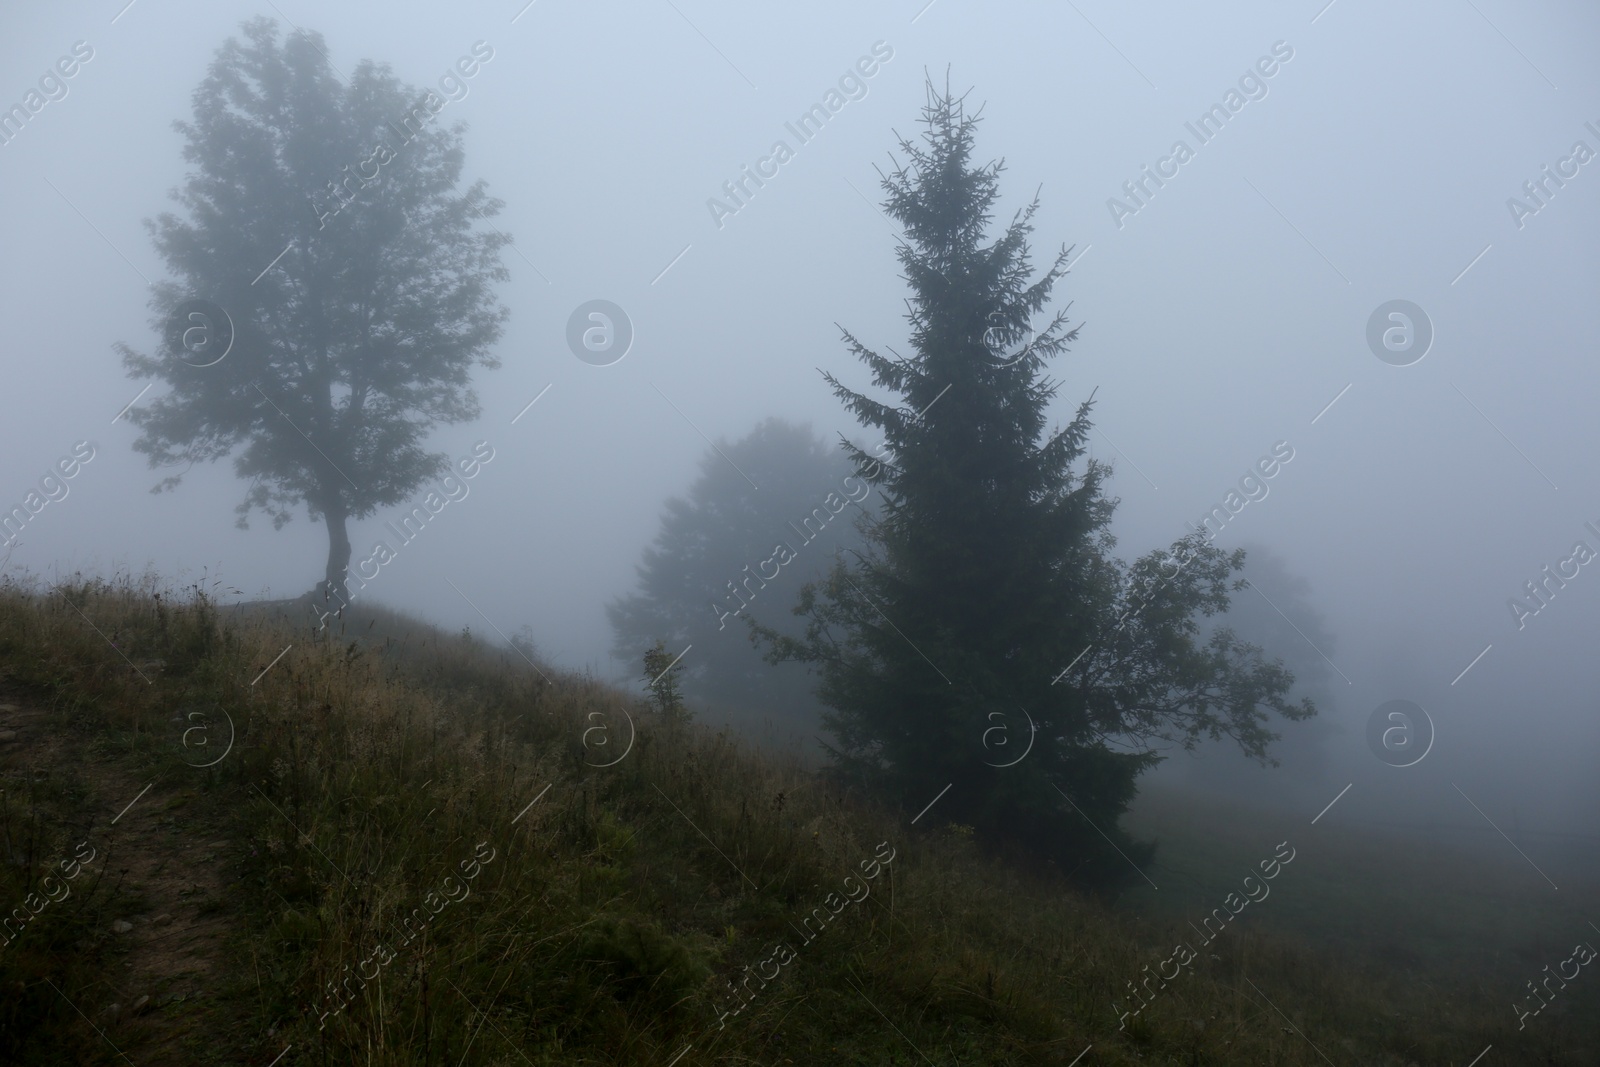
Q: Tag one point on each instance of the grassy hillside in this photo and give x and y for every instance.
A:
(383, 844)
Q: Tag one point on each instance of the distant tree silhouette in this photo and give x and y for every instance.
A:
(987, 599)
(1277, 614)
(716, 563)
(378, 302)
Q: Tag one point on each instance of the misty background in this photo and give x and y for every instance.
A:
(1222, 317)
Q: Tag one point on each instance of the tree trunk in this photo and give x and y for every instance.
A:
(334, 581)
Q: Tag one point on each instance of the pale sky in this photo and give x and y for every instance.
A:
(1384, 158)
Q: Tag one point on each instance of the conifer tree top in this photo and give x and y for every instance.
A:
(990, 566)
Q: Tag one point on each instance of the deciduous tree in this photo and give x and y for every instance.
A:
(328, 223)
(714, 564)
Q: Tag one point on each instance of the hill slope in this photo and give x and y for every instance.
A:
(379, 843)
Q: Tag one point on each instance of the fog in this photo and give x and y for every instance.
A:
(1225, 310)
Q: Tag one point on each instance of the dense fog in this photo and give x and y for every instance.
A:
(1370, 268)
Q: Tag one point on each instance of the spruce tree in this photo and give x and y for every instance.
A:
(986, 617)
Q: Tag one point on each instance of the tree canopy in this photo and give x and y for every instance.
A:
(326, 221)
(987, 640)
(766, 514)
(1278, 614)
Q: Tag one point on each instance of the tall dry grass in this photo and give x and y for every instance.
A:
(445, 851)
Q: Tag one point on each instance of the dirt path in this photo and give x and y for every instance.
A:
(159, 848)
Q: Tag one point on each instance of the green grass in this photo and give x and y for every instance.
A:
(379, 759)
(1415, 906)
